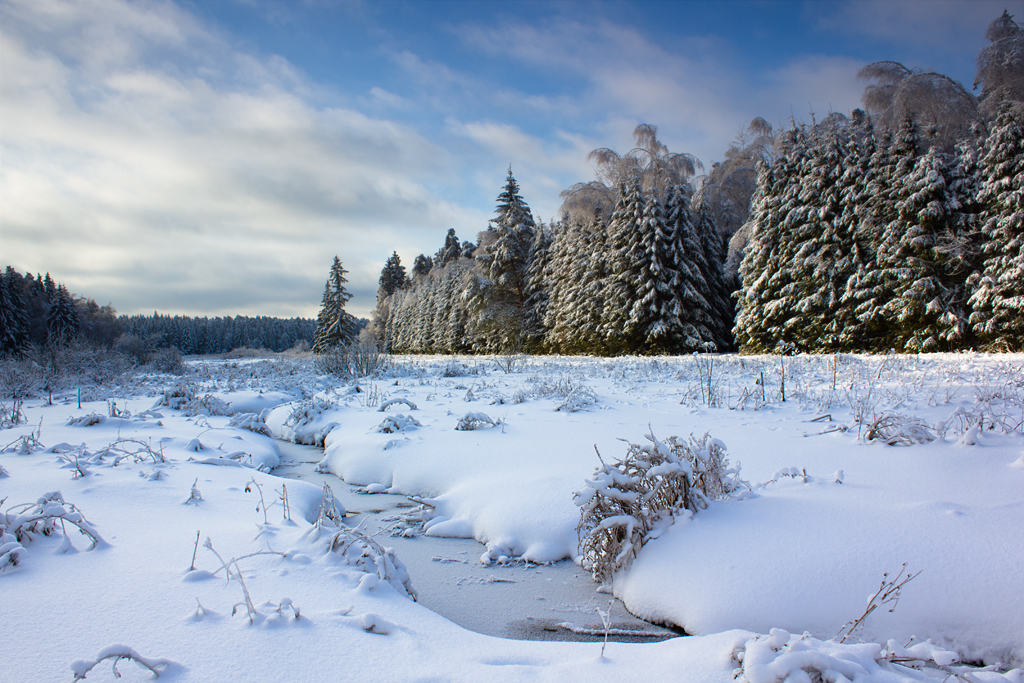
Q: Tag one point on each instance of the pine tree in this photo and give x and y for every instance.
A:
(502, 289)
(422, 265)
(334, 326)
(14, 322)
(927, 304)
(62, 320)
(50, 288)
(392, 277)
(767, 301)
(819, 267)
(451, 251)
(538, 288)
(712, 269)
(622, 249)
(998, 299)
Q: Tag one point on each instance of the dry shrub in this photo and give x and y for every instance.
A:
(630, 501)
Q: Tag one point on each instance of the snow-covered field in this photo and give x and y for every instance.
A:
(763, 580)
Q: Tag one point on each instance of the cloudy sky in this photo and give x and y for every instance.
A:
(210, 157)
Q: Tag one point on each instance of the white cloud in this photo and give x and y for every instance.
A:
(935, 23)
(159, 168)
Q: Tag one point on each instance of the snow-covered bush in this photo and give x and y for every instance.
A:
(472, 421)
(628, 502)
(454, 368)
(304, 422)
(85, 420)
(252, 422)
(362, 358)
(207, 405)
(21, 524)
(379, 563)
(168, 360)
(579, 398)
(779, 656)
(894, 429)
(178, 396)
(397, 423)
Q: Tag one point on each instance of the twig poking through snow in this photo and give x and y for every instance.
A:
(888, 593)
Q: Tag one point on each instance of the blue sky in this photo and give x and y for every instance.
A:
(211, 157)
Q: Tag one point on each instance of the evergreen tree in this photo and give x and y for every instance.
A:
(767, 300)
(50, 288)
(710, 261)
(334, 326)
(821, 262)
(998, 299)
(62, 320)
(392, 277)
(501, 291)
(538, 287)
(14, 323)
(422, 265)
(622, 250)
(927, 308)
(451, 251)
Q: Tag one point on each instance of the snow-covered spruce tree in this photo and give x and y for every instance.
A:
(538, 288)
(851, 330)
(421, 265)
(998, 298)
(14, 324)
(892, 166)
(712, 269)
(654, 323)
(623, 250)
(767, 299)
(334, 325)
(454, 284)
(502, 286)
(928, 306)
(565, 239)
(822, 248)
(687, 310)
(392, 277)
(451, 251)
(62, 320)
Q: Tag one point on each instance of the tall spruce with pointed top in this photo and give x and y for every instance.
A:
(14, 322)
(687, 309)
(334, 325)
(392, 277)
(710, 261)
(62, 323)
(766, 301)
(538, 287)
(998, 298)
(621, 249)
(927, 308)
(502, 288)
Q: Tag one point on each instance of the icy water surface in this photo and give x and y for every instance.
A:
(522, 601)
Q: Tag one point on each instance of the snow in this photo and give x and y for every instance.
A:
(763, 580)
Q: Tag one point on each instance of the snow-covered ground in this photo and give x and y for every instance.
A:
(829, 509)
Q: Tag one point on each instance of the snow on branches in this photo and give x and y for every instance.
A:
(629, 502)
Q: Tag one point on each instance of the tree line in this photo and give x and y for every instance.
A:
(896, 227)
(37, 313)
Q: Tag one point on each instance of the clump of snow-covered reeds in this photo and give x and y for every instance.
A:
(21, 524)
(628, 502)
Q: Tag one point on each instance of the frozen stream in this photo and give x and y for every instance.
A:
(522, 601)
